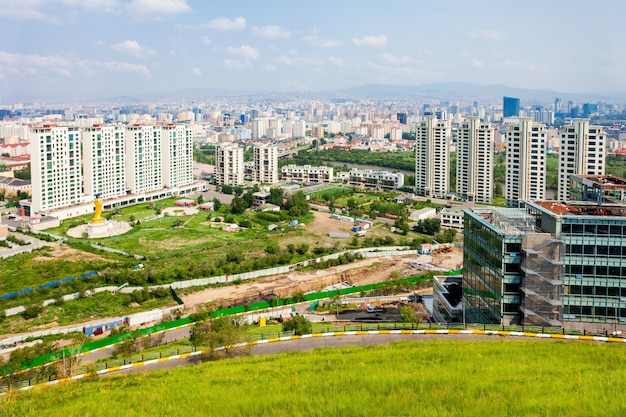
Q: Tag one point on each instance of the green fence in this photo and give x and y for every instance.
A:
(55, 356)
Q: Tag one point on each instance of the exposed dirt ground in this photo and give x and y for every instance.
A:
(366, 271)
(61, 251)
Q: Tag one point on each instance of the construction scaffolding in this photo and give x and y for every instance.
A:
(541, 284)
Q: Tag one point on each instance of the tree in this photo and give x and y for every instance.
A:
(403, 226)
(217, 204)
(408, 315)
(200, 199)
(276, 196)
(428, 226)
(351, 203)
(238, 205)
(299, 324)
(297, 204)
(497, 191)
(222, 331)
(71, 358)
(128, 346)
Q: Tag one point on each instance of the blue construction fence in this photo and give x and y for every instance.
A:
(48, 285)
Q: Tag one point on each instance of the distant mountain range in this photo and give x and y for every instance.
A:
(471, 91)
(452, 91)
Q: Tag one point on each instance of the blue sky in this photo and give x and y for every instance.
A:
(106, 48)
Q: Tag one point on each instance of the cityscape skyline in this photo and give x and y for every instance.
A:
(66, 49)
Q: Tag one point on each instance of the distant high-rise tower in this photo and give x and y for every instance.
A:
(581, 153)
(525, 162)
(510, 107)
(402, 118)
(266, 163)
(229, 168)
(432, 160)
(474, 165)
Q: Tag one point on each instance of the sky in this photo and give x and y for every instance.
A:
(137, 48)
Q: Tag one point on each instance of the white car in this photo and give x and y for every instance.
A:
(374, 309)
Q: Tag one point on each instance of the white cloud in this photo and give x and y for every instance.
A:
(158, 7)
(205, 40)
(478, 63)
(488, 34)
(106, 6)
(246, 51)
(132, 47)
(338, 62)
(294, 60)
(25, 10)
(269, 68)
(224, 23)
(196, 71)
(321, 42)
(119, 67)
(236, 64)
(380, 40)
(16, 64)
(272, 32)
(34, 64)
(391, 59)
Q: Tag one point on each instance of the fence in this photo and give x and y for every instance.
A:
(339, 330)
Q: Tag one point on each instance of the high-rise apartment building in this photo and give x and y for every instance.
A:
(143, 158)
(266, 163)
(122, 164)
(229, 169)
(177, 151)
(582, 152)
(104, 166)
(432, 160)
(56, 176)
(474, 164)
(525, 162)
(510, 107)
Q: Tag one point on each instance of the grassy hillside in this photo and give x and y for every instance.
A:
(441, 377)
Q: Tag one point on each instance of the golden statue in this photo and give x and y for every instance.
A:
(97, 218)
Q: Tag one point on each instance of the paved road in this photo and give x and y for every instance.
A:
(318, 342)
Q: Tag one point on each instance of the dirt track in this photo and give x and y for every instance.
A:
(367, 271)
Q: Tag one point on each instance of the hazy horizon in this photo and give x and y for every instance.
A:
(106, 48)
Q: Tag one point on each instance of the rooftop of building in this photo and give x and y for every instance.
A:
(578, 208)
(511, 221)
(606, 182)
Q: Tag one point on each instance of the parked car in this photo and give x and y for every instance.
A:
(374, 309)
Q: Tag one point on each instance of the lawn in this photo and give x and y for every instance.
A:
(426, 378)
(328, 193)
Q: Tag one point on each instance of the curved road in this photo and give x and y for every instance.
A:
(315, 343)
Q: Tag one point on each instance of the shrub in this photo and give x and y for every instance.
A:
(32, 311)
(299, 324)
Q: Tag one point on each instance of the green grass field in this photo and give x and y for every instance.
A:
(427, 378)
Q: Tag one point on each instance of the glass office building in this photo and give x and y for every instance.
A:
(594, 277)
(550, 264)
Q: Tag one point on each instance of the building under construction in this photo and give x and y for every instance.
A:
(548, 264)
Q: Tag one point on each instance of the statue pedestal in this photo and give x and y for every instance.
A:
(98, 229)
